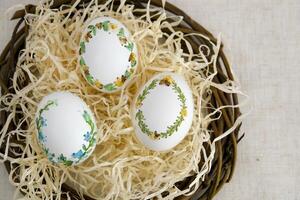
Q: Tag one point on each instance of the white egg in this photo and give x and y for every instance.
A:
(163, 111)
(108, 54)
(66, 128)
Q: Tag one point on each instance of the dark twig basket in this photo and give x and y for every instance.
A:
(226, 149)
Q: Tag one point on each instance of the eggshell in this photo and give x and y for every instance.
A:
(163, 111)
(66, 128)
(108, 54)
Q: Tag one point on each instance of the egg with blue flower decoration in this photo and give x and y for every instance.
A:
(66, 128)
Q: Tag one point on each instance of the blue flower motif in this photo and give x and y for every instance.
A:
(42, 137)
(43, 122)
(87, 136)
(78, 154)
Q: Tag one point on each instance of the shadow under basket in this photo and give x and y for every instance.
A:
(223, 165)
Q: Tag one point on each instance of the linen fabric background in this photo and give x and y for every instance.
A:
(262, 42)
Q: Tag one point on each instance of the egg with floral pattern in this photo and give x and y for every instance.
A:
(108, 54)
(65, 128)
(162, 112)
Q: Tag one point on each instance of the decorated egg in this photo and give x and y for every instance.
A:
(108, 54)
(66, 128)
(163, 111)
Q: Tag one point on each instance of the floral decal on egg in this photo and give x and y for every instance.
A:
(89, 138)
(168, 82)
(108, 27)
(42, 122)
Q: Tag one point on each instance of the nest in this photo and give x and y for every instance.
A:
(220, 100)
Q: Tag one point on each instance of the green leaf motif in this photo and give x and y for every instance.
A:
(105, 25)
(121, 33)
(129, 46)
(87, 117)
(90, 79)
(141, 122)
(68, 162)
(82, 47)
(93, 140)
(180, 94)
(147, 89)
(92, 29)
(82, 62)
(127, 74)
(174, 127)
(110, 87)
(133, 63)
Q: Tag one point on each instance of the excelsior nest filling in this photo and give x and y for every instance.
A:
(120, 167)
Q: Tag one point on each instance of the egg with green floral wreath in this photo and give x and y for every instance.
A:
(108, 55)
(162, 112)
(65, 128)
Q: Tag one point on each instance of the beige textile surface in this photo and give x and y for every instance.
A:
(262, 41)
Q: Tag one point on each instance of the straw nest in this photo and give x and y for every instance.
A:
(41, 57)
